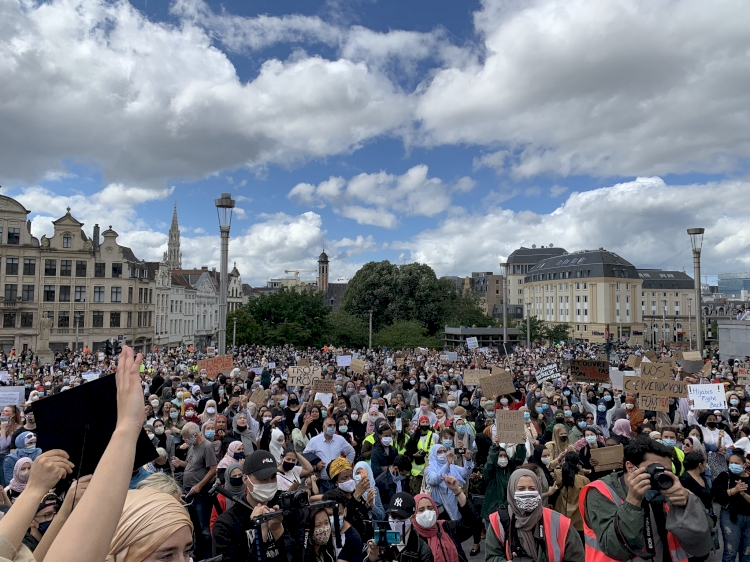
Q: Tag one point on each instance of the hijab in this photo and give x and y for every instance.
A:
(601, 417)
(18, 482)
(205, 416)
(622, 428)
(148, 519)
(276, 447)
(697, 445)
(522, 521)
(234, 490)
(635, 416)
(228, 458)
(442, 550)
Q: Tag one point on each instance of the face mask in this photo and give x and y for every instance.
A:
(526, 416)
(210, 435)
(563, 438)
(568, 413)
(546, 460)
(427, 518)
(607, 398)
(386, 441)
(545, 406)
(491, 414)
(399, 524)
(461, 429)
(241, 428)
(221, 392)
(236, 482)
(451, 403)
(502, 462)
(566, 393)
(263, 493)
(424, 407)
(321, 535)
(363, 392)
(287, 466)
(324, 414)
(189, 413)
(375, 394)
(581, 424)
(159, 430)
(447, 443)
(747, 409)
(43, 526)
(355, 417)
(629, 406)
(343, 428)
(424, 428)
(601, 408)
(338, 388)
(210, 410)
(669, 442)
(174, 415)
(330, 431)
(527, 501)
(736, 468)
(154, 404)
(465, 403)
(412, 381)
(293, 402)
(348, 486)
(538, 409)
(711, 425)
(454, 387)
(734, 402)
(538, 394)
(591, 439)
(504, 401)
(331, 521)
(267, 419)
(239, 456)
(441, 457)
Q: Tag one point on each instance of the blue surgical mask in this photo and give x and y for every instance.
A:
(736, 468)
(538, 394)
(581, 424)
(591, 439)
(447, 443)
(174, 415)
(601, 408)
(461, 429)
(375, 394)
(29, 450)
(566, 393)
(545, 406)
(669, 442)
(343, 428)
(568, 413)
(330, 431)
(323, 414)
(338, 388)
(538, 409)
(607, 398)
(331, 521)
(526, 416)
(210, 435)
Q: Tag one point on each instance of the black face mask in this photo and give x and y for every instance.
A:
(424, 428)
(734, 417)
(563, 438)
(288, 466)
(236, 482)
(241, 428)
(293, 402)
(391, 419)
(711, 425)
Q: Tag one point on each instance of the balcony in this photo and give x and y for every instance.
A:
(9, 303)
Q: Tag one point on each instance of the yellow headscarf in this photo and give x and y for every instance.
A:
(148, 519)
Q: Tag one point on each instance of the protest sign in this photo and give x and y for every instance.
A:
(324, 386)
(303, 362)
(691, 356)
(472, 376)
(271, 365)
(12, 396)
(211, 351)
(707, 396)
(706, 370)
(633, 361)
(742, 376)
(655, 370)
(616, 376)
(547, 373)
(653, 403)
(358, 366)
(584, 370)
(500, 382)
(255, 370)
(656, 387)
(216, 365)
(399, 361)
(303, 376)
(472, 343)
(651, 356)
(343, 360)
(452, 355)
(608, 458)
(90, 376)
(259, 397)
(691, 367)
(510, 426)
(4, 376)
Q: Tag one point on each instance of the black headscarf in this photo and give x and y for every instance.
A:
(536, 459)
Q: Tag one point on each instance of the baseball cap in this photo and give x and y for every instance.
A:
(402, 505)
(260, 464)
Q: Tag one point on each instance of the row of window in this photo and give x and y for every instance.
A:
(66, 268)
(64, 293)
(143, 319)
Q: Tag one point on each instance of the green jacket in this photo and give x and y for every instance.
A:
(574, 551)
(689, 524)
(497, 478)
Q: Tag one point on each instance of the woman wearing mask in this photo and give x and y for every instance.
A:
(235, 455)
(243, 427)
(439, 466)
(294, 468)
(520, 538)
(320, 546)
(175, 423)
(383, 453)
(465, 402)
(730, 490)
(20, 478)
(531, 428)
(363, 500)
(497, 473)
(715, 440)
(164, 440)
(291, 412)
(635, 416)
(558, 446)
(351, 543)
(232, 484)
(209, 432)
(570, 481)
(210, 413)
(592, 439)
(397, 423)
(445, 537)
(541, 458)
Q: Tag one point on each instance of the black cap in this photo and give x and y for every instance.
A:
(80, 421)
(260, 464)
(402, 505)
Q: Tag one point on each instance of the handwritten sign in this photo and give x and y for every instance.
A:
(471, 377)
(449, 357)
(259, 397)
(653, 403)
(303, 376)
(343, 360)
(501, 382)
(303, 362)
(656, 387)
(358, 366)
(707, 396)
(12, 396)
(589, 371)
(510, 426)
(742, 376)
(651, 356)
(633, 361)
(547, 373)
(609, 458)
(472, 343)
(324, 386)
(659, 371)
(216, 365)
(691, 356)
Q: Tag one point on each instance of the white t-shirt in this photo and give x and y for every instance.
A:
(284, 481)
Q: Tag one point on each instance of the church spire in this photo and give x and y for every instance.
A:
(174, 256)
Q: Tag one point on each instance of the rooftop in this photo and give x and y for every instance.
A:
(582, 264)
(533, 255)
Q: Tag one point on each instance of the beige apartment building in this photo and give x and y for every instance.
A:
(92, 289)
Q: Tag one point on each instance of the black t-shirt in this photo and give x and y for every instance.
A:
(703, 492)
(735, 504)
(351, 549)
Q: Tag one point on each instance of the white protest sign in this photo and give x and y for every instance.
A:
(343, 360)
(12, 396)
(616, 375)
(472, 343)
(271, 365)
(90, 376)
(707, 396)
(4, 376)
(452, 355)
(547, 373)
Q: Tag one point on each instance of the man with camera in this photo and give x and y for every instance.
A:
(643, 512)
(235, 529)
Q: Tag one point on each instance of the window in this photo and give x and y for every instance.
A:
(585, 328)
(80, 268)
(27, 293)
(116, 270)
(116, 294)
(29, 266)
(97, 319)
(64, 293)
(11, 266)
(14, 236)
(11, 292)
(114, 319)
(66, 268)
(130, 294)
(140, 295)
(130, 320)
(140, 316)
(80, 293)
(67, 241)
(99, 294)
(79, 318)
(63, 319)
(49, 293)
(9, 320)
(100, 269)
(50, 267)
(27, 320)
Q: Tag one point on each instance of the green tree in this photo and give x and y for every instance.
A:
(558, 332)
(462, 309)
(347, 330)
(537, 329)
(372, 288)
(248, 330)
(403, 334)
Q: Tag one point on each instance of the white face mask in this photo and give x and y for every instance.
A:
(348, 486)
(502, 462)
(629, 406)
(263, 493)
(528, 500)
(546, 460)
(427, 518)
(154, 404)
(210, 411)
(441, 457)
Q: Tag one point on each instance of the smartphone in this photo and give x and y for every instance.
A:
(460, 451)
(391, 537)
(399, 424)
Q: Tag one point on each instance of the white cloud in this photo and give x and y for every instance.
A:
(626, 87)
(366, 215)
(354, 246)
(557, 190)
(644, 221)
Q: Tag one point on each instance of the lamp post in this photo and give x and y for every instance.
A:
(528, 325)
(690, 322)
(696, 240)
(224, 207)
(369, 345)
(505, 302)
(234, 332)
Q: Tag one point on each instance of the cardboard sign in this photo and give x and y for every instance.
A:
(692, 367)
(259, 397)
(211, 351)
(399, 361)
(472, 343)
(609, 458)
(707, 396)
(343, 360)
(358, 366)
(547, 373)
(324, 386)
(510, 426)
(471, 377)
(656, 370)
(302, 376)
(706, 370)
(12, 396)
(653, 403)
(586, 370)
(633, 361)
(216, 365)
(692, 356)
(656, 387)
(652, 356)
(303, 362)
(742, 376)
(501, 382)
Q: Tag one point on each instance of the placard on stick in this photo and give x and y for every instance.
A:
(609, 458)
(586, 370)
(472, 376)
(259, 397)
(358, 366)
(510, 426)
(324, 386)
(547, 373)
(302, 376)
(500, 382)
(343, 360)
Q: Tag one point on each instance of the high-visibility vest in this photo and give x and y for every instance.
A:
(424, 444)
(555, 527)
(594, 552)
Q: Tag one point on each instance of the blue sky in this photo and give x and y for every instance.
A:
(443, 132)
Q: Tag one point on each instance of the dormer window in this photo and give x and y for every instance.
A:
(67, 240)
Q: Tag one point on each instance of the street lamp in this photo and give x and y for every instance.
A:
(504, 273)
(369, 347)
(234, 333)
(528, 324)
(224, 208)
(696, 239)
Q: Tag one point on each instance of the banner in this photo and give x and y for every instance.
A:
(303, 376)
(545, 373)
(585, 370)
(216, 365)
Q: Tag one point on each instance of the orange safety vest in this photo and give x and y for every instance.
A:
(555, 526)
(594, 552)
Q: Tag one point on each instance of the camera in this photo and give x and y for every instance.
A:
(298, 499)
(660, 480)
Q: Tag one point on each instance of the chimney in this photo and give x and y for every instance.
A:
(204, 268)
(28, 226)
(96, 237)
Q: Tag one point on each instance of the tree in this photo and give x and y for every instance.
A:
(558, 332)
(537, 328)
(462, 309)
(248, 330)
(372, 288)
(347, 330)
(403, 334)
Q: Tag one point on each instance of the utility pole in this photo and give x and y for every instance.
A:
(505, 303)
(528, 325)
(663, 321)
(234, 332)
(369, 346)
(76, 346)
(690, 323)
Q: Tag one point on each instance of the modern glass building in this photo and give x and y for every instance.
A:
(732, 284)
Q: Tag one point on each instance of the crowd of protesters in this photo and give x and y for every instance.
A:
(400, 460)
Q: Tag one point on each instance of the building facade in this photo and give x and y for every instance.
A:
(519, 263)
(90, 289)
(667, 307)
(733, 284)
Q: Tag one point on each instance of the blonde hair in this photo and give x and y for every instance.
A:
(161, 482)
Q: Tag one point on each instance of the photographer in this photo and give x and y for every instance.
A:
(643, 511)
(413, 547)
(234, 534)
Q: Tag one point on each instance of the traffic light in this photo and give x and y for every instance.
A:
(118, 348)
(107, 348)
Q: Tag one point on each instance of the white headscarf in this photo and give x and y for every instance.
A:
(277, 444)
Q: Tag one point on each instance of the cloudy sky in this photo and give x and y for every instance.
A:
(448, 132)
